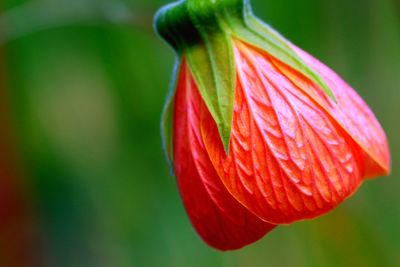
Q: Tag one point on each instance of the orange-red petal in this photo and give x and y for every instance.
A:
(289, 159)
(350, 111)
(219, 219)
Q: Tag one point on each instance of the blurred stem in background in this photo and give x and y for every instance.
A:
(18, 246)
(35, 16)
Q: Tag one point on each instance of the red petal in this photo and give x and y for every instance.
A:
(289, 159)
(219, 219)
(350, 111)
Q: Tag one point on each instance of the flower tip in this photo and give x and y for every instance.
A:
(226, 138)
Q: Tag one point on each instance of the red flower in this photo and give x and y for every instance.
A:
(297, 146)
(217, 216)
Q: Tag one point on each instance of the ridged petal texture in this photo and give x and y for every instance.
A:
(294, 153)
(351, 112)
(217, 216)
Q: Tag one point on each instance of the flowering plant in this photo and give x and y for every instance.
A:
(259, 133)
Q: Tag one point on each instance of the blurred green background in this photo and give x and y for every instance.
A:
(83, 178)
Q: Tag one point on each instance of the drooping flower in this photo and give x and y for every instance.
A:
(259, 133)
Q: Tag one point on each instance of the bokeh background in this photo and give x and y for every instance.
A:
(83, 181)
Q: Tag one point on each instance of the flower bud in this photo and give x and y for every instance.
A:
(259, 133)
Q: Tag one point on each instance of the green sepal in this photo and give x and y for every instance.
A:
(203, 31)
(167, 119)
(196, 29)
(213, 67)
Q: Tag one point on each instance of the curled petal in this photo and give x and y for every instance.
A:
(351, 112)
(289, 159)
(220, 220)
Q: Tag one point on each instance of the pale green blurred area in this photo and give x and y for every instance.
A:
(87, 81)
